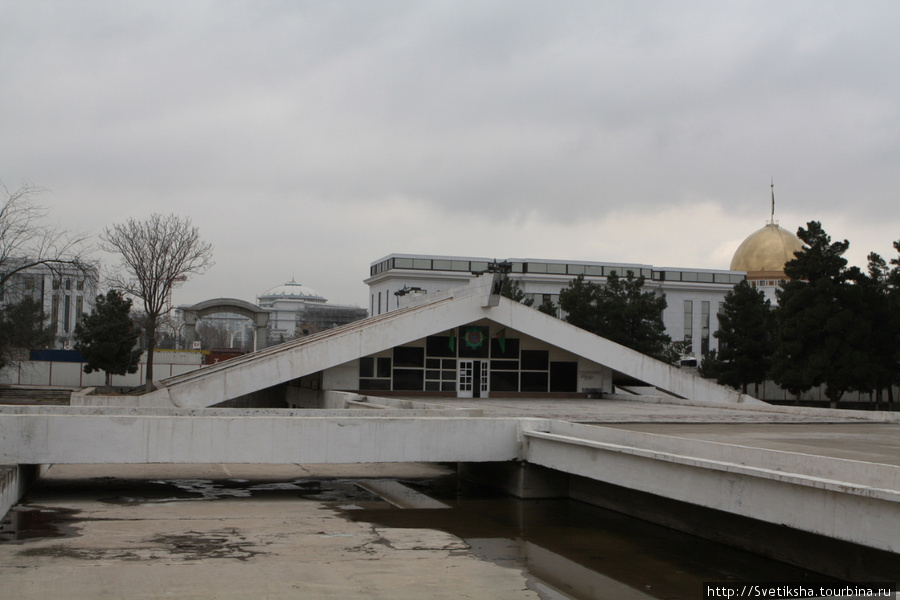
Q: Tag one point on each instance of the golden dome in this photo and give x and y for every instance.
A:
(766, 250)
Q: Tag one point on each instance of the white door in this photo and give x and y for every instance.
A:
(464, 383)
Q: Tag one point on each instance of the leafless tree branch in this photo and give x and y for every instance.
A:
(26, 240)
(157, 255)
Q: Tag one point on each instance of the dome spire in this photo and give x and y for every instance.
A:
(772, 218)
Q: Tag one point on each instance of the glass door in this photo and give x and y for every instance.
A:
(465, 376)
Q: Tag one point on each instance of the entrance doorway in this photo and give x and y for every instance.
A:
(472, 379)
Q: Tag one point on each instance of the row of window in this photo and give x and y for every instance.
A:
(767, 282)
(58, 284)
(704, 324)
(434, 367)
(68, 326)
(574, 269)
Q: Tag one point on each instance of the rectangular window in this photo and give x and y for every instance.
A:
(379, 303)
(383, 366)
(535, 360)
(688, 323)
(504, 381)
(54, 314)
(79, 309)
(367, 367)
(375, 373)
(534, 382)
(595, 270)
(556, 269)
(563, 376)
(405, 356)
(505, 348)
(504, 365)
(704, 327)
(409, 379)
(440, 346)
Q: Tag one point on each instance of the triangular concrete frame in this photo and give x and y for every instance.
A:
(431, 315)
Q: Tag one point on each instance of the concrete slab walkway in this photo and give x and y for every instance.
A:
(266, 548)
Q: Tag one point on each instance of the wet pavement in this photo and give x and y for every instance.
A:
(292, 531)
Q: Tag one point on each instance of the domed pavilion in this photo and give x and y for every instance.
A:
(763, 255)
(296, 309)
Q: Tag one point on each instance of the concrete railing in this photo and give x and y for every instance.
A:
(853, 501)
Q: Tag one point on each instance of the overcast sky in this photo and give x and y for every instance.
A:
(308, 139)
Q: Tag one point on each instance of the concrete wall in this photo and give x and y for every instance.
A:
(58, 436)
(14, 482)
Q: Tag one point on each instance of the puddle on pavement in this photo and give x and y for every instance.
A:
(25, 522)
(567, 549)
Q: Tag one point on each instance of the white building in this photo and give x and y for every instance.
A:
(694, 296)
(296, 309)
(466, 342)
(65, 294)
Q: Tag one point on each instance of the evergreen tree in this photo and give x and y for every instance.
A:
(579, 301)
(512, 290)
(883, 304)
(621, 312)
(746, 338)
(548, 307)
(824, 329)
(22, 326)
(107, 338)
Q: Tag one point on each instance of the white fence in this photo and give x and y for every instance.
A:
(166, 363)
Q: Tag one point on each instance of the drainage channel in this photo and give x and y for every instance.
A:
(566, 549)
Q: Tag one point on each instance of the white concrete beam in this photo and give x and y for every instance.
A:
(97, 439)
(863, 507)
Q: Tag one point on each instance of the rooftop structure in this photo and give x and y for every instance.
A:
(693, 295)
(296, 309)
(764, 252)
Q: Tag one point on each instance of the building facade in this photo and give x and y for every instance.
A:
(64, 293)
(693, 296)
(296, 310)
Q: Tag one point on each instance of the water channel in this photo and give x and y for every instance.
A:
(568, 550)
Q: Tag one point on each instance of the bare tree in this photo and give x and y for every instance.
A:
(27, 241)
(157, 255)
(29, 248)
